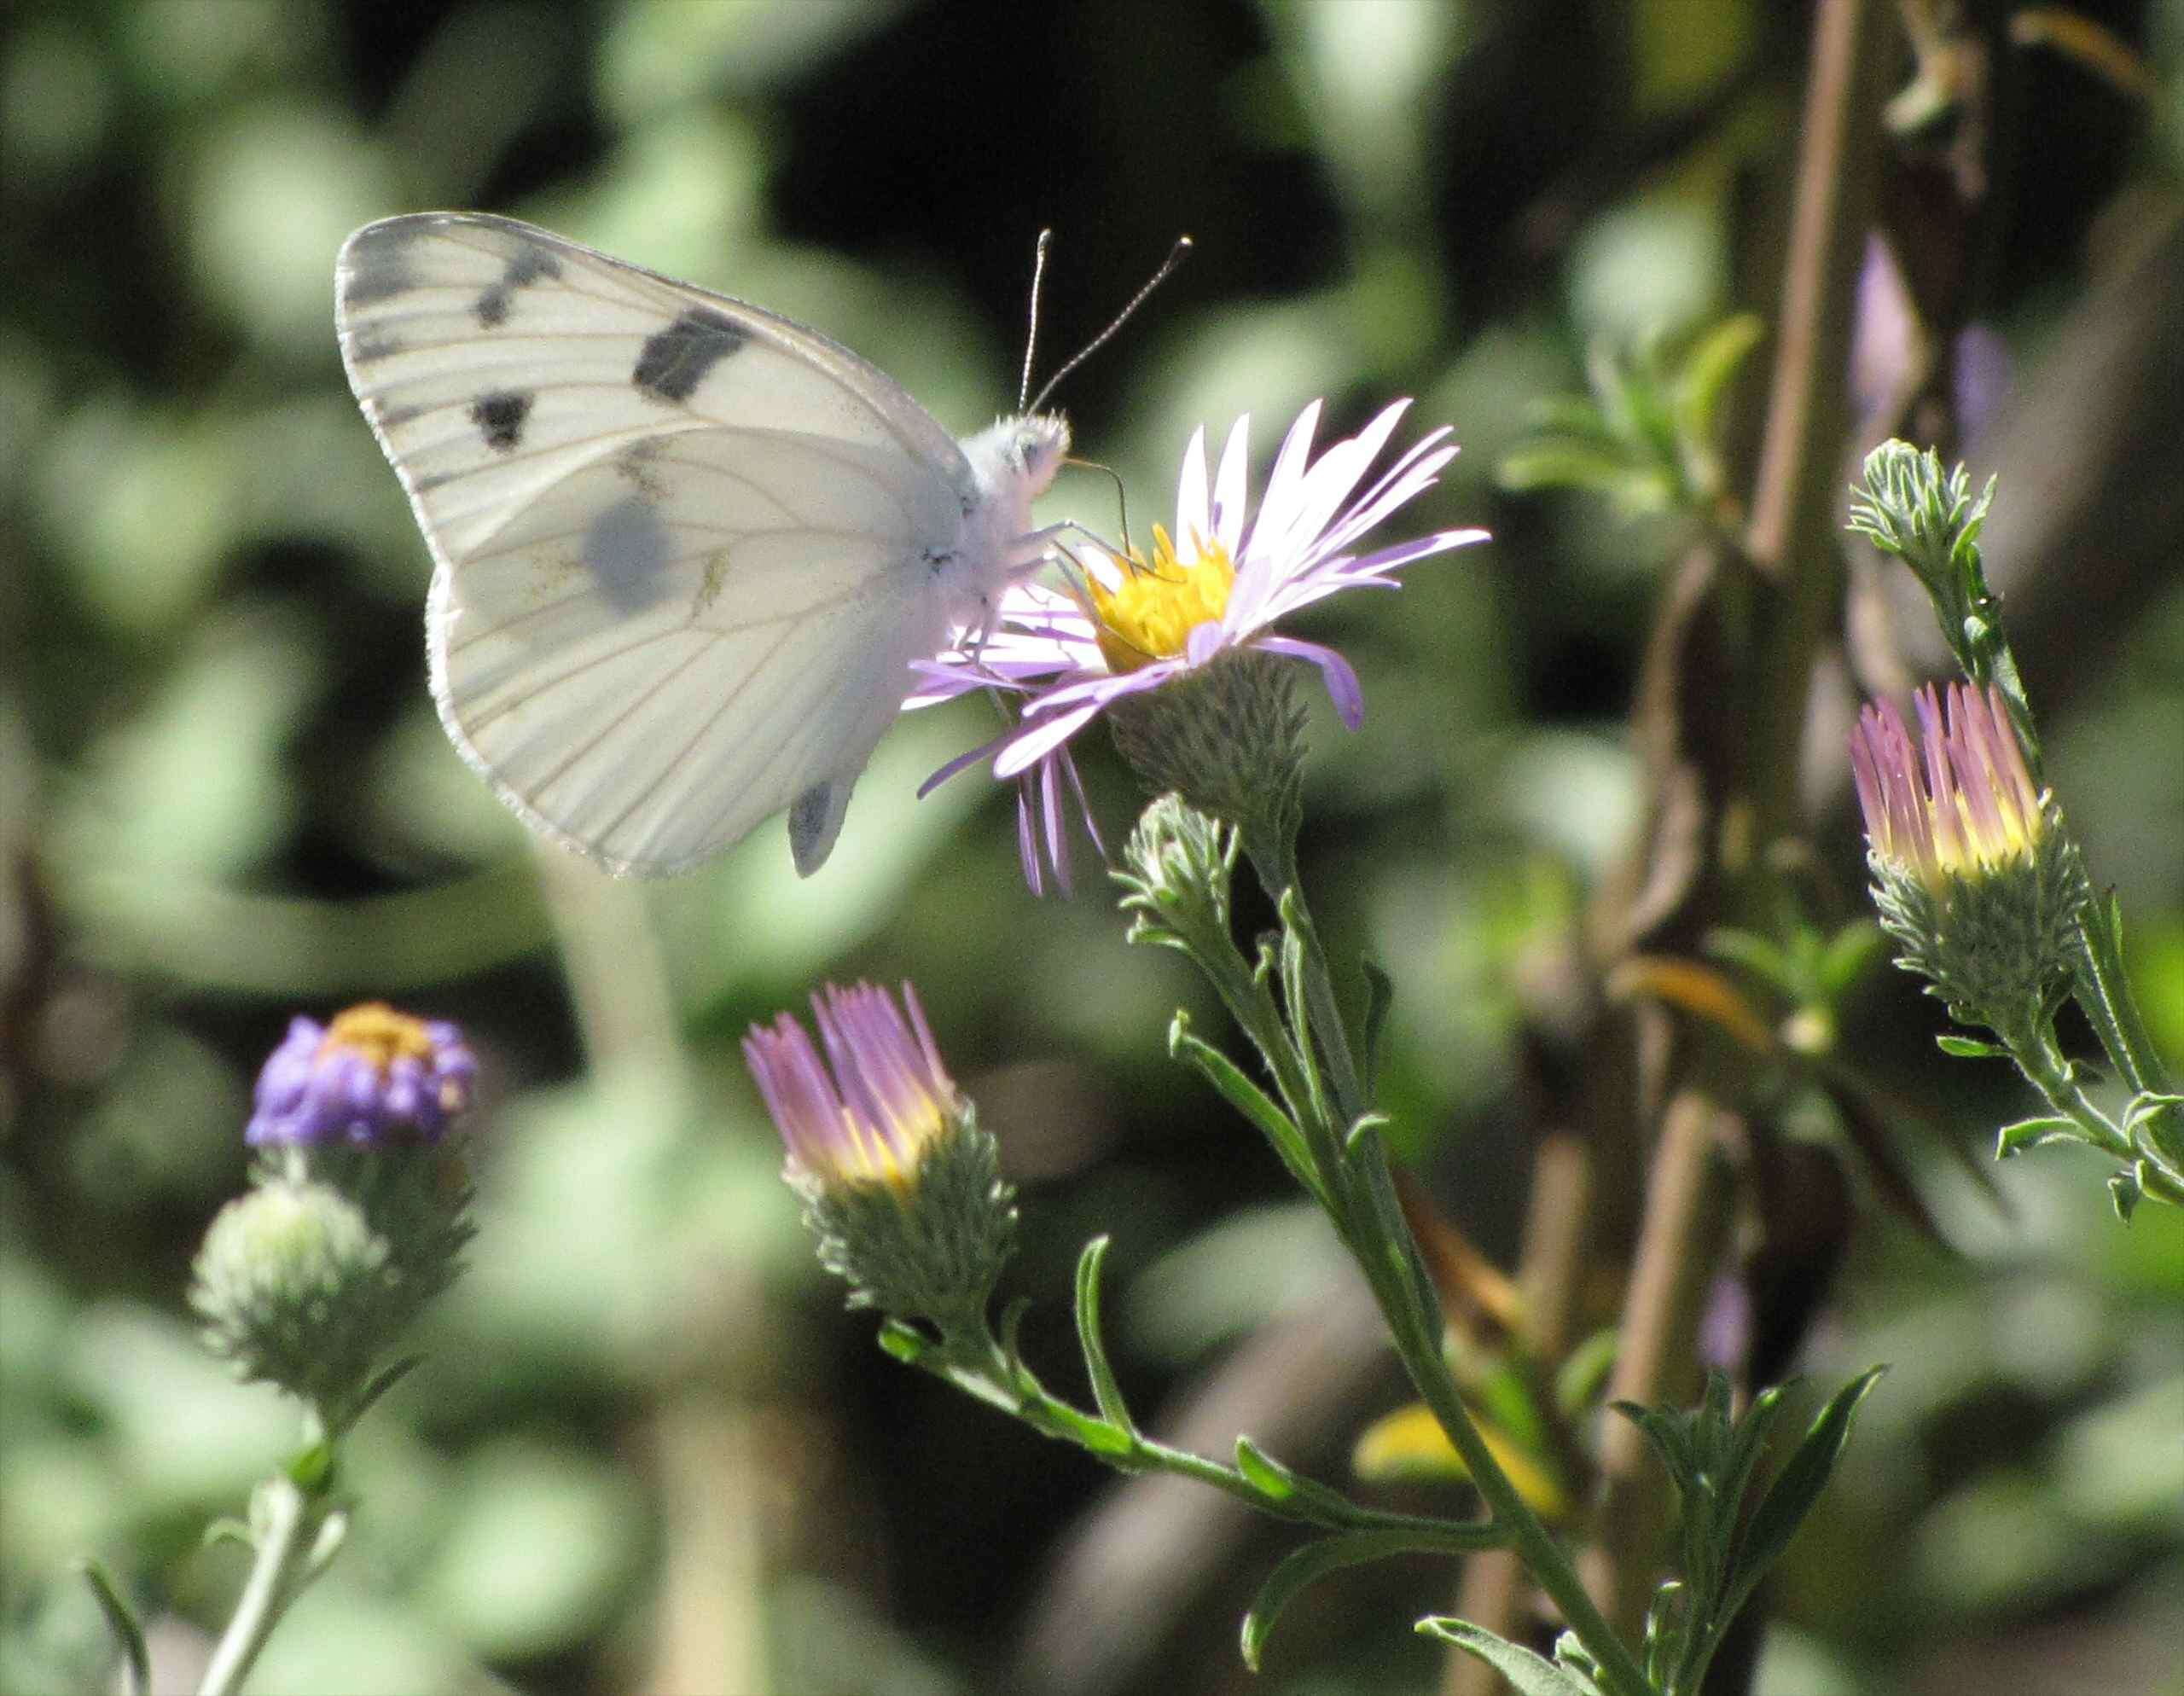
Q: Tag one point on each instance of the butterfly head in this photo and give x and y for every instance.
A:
(1033, 445)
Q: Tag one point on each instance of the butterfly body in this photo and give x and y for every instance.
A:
(685, 551)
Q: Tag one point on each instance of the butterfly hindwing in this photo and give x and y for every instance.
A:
(682, 544)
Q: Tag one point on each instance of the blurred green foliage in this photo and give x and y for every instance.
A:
(224, 797)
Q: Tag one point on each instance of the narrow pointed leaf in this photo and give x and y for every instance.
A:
(2015, 1139)
(1106, 1389)
(1304, 1566)
(1796, 1487)
(1280, 1483)
(1380, 999)
(1712, 361)
(121, 1620)
(1249, 1100)
(1529, 1674)
(1670, 1438)
(387, 1379)
(1970, 1048)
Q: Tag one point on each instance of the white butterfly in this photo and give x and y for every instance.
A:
(685, 551)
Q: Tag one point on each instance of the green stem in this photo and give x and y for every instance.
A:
(2105, 992)
(1371, 1222)
(1417, 1336)
(1273, 857)
(978, 1364)
(289, 1521)
(2041, 1058)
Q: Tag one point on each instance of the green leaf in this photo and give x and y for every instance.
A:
(1297, 1002)
(386, 1380)
(1380, 998)
(2015, 1139)
(1280, 1483)
(1529, 1674)
(1303, 1566)
(1732, 1477)
(1567, 415)
(906, 1343)
(1106, 1389)
(1249, 1100)
(1971, 1047)
(121, 1620)
(1795, 1488)
(312, 1469)
(1579, 1379)
(1670, 1436)
(2124, 1189)
(1844, 957)
(1708, 367)
(1668, 1629)
(1268, 1476)
(1758, 955)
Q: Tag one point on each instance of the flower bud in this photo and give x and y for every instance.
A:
(357, 1212)
(1973, 874)
(902, 1189)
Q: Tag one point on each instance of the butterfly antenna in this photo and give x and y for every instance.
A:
(1032, 335)
(1176, 255)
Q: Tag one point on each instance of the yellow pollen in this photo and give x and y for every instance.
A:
(377, 1033)
(1151, 613)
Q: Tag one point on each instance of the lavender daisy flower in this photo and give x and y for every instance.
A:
(1218, 584)
(373, 1076)
(902, 1189)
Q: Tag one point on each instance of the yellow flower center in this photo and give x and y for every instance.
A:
(378, 1033)
(1150, 614)
(892, 1154)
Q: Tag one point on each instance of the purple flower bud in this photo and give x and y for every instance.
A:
(373, 1076)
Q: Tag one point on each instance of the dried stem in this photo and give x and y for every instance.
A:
(1724, 791)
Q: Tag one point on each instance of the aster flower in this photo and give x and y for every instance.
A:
(1973, 876)
(1218, 584)
(372, 1076)
(1964, 804)
(888, 1098)
(900, 1187)
(356, 1212)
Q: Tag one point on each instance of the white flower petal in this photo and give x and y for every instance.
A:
(1230, 492)
(1194, 515)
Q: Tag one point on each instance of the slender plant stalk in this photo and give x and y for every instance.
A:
(1687, 1203)
(289, 1528)
(1789, 547)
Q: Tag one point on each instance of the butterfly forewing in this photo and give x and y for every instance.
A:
(683, 545)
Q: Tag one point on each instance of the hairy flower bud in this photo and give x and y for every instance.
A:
(1973, 874)
(357, 1212)
(902, 1189)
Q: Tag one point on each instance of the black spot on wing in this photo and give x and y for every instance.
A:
(365, 345)
(525, 266)
(499, 416)
(815, 819)
(674, 361)
(626, 550)
(376, 266)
